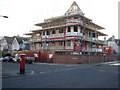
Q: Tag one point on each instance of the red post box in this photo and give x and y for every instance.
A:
(22, 63)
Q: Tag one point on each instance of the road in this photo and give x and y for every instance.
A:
(63, 76)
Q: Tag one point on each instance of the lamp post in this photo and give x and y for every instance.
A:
(3, 16)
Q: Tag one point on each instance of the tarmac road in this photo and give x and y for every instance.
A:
(103, 75)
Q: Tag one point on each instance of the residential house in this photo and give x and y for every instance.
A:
(6, 43)
(114, 43)
(18, 43)
(9, 44)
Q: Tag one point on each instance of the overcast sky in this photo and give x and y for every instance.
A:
(23, 14)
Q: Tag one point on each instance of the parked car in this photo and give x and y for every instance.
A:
(8, 59)
(27, 59)
(14, 60)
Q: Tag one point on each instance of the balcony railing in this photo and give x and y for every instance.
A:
(92, 49)
(72, 21)
(46, 36)
(35, 39)
(96, 50)
(67, 36)
(69, 47)
(74, 34)
(87, 38)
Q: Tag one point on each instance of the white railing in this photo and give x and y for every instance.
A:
(72, 21)
(56, 47)
(69, 47)
(38, 48)
(87, 38)
(95, 39)
(74, 34)
(52, 48)
(46, 36)
(59, 47)
(58, 35)
(96, 50)
(35, 39)
(32, 48)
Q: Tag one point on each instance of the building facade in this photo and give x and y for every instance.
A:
(115, 44)
(70, 33)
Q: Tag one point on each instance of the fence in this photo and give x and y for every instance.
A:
(82, 59)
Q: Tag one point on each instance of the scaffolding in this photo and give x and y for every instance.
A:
(68, 20)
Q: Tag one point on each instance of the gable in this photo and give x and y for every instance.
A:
(15, 42)
(4, 42)
(9, 40)
(117, 41)
(74, 9)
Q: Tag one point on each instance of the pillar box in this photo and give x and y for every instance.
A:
(22, 63)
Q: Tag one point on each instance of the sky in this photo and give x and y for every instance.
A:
(23, 14)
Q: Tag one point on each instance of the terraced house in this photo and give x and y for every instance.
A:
(70, 33)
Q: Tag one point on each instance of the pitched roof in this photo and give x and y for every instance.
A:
(21, 39)
(117, 41)
(74, 8)
(111, 38)
(9, 39)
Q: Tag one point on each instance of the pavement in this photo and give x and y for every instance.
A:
(7, 73)
(12, 72)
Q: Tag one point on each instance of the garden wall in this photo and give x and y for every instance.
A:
(82, 59)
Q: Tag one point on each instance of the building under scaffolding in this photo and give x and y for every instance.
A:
(70, 33)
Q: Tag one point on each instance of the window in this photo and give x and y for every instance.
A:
(68, 29)
(90, 34)
(38, 35)
(61, 30)
(68, 43)
(43, 32)
(53, 32)
(53, 43)
(93, 35)
(60, 43)
(75, 29)
(40, 32)
(81, 31)
(75, 17)
(48, 32)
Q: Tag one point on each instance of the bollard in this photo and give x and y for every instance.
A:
(22, 63)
